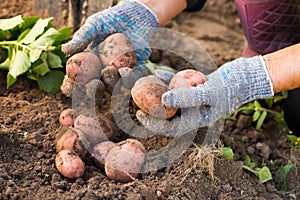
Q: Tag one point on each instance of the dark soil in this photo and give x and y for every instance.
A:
(29, 128)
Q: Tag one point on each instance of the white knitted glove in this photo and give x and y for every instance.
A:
(233, 84)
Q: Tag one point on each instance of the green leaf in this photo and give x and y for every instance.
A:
(292, 138)
(52, 81)
(10, 80)
(33, 76)
(2, 35)
(264, 174)
(35, 54)
(278, 98)
(6, 24)
(64, 35)
(269, 102)
(36, 30)
(23, 34)
(227, 153)
(20, 64)
(42, 43)
(54, 61)
(45, 40)
(279, 117)
(257, 105)
(285, 170)
(151, 66)
(247, 111)
(261, 120)
(256, 115)
(247, 161)
(29, 22)
(41, 69)
(5, 65)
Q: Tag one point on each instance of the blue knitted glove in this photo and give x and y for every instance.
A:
(232, 85)
(130, 17)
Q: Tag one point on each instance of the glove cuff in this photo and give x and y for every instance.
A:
(258, 82)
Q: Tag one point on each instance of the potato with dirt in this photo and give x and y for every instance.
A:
(69, 164)
(187, 78)
(70, 140)
(89, 130)
(100, 152)
(117, 50)
(66, 117)
(106, 126)
(124, 163)
(147, 93)
(83, 67)
(67, 86)
(110, 76)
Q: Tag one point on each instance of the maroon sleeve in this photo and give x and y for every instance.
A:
(194, 5)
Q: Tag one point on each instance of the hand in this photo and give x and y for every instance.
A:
(130, 17)
(232, 85)
(190, 119)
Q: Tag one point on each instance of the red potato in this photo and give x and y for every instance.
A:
(69, 164)
(106, 126)
(187, 78)
(110, 76)
(89, 130)
(70, 140)
(100, 152)
(83, 67)
(66, 117)
(147, 93)
(117, 50)
(67, 86)
(125, 162)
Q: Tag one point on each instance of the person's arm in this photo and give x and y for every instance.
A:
(284, 68)
(165, 9)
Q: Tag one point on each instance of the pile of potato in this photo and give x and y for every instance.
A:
(122, 161)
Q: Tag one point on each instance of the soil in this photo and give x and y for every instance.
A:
(30, 127)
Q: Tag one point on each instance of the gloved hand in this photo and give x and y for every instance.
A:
(230, 86)
(130, 17)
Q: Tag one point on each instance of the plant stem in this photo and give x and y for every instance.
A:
(250, 169)
(14, 43)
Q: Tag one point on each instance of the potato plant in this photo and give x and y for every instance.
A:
(30, 46)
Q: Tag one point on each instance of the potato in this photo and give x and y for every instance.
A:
(147, 93)
(83, 67)
(69, 164)
(67, 86)
(100, 152)
(187, 78)
(70, 140)
(110, 76)
(66, 117)
(125, 162)
(89, 130)
(106, 126)
(117, 50)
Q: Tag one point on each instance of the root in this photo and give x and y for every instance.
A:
(204, 161)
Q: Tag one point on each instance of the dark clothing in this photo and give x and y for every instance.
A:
(194, 5)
